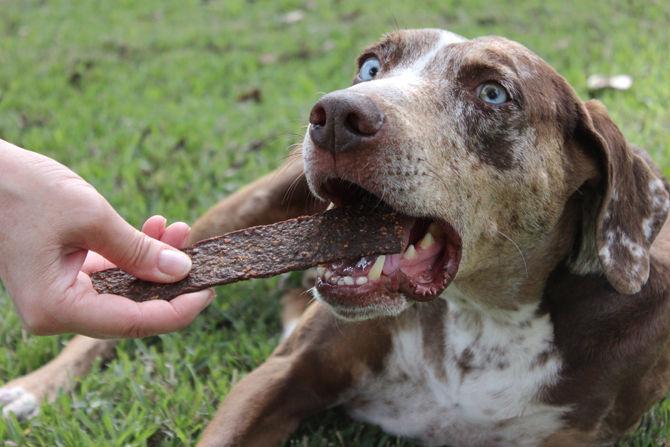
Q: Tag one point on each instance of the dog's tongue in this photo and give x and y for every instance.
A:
(263, 251)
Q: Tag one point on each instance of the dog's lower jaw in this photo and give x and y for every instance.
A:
(390, 307)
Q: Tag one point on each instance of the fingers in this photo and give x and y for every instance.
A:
(85, 312)
(138, 253)
(154, 226)
(175, 235)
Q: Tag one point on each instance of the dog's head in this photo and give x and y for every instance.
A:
(492, 154)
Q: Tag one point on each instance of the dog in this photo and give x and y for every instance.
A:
(530, 305)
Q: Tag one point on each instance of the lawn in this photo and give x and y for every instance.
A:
(166, 106)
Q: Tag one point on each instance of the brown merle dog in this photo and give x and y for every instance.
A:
(530, 304)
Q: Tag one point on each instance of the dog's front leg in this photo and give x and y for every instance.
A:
(23, 396)
(312, 370)
(280, 195)
(265, 407)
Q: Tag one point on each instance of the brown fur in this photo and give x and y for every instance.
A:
(606, 338)
(307, 373)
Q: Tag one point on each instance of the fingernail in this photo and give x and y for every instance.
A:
(212, 295)
(174, 263)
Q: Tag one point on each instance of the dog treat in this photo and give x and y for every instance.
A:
(268, 250)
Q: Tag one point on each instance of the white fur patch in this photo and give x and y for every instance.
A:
(648, 228)
(289, 328)
(492, 402)
(656, 185)
(636, 251)
(605, 254)
(16, 400)
(446, 38)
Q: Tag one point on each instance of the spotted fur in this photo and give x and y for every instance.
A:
(556, 329)
(482, 390)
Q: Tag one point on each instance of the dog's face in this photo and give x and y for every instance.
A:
(479, 141)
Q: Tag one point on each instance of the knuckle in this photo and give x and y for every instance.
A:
(98, 208)
(84, 198)
(137, 249)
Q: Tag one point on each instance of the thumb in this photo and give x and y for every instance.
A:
(136, 253)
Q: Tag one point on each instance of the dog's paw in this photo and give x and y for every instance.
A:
(18, 401)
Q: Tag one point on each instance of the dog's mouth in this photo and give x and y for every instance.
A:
(422, 271)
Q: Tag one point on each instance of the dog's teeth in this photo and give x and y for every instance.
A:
(320, 271)
(331, 206)
(361, 280)
(333, 279)
(376, 270)
(327, 275)
(348, 281)
(427, 241)
(435, 230)
(340, 282)
(410, 253)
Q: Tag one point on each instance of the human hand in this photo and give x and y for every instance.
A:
(50, 219)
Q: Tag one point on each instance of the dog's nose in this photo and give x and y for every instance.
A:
(340, 121)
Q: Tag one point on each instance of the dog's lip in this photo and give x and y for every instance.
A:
(420, 275)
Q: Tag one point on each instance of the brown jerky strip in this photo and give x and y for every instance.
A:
(268, 250)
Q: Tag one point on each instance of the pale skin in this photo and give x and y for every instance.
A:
(56, 229)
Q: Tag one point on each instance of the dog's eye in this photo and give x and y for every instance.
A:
(369, 69)
(493, 93)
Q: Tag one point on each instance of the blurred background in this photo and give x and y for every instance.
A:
(167, 106)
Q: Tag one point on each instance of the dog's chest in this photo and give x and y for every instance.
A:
(459, 378)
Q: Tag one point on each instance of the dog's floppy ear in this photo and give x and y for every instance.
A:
(633, 202)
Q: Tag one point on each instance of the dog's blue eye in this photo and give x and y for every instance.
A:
(493, 93)
(369, 69)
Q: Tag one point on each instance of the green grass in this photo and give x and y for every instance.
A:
(141, 99)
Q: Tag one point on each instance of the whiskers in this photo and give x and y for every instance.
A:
(525, 265)
(293, 161)
(311, 294)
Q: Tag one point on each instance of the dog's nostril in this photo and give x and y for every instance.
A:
(356, 124)
(317, 117)
(352, 123)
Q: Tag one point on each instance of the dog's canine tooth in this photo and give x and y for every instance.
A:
(410, 253)
(361, 280)
(376, 270)
(427, 241)
(328, 275)
(333, 279)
